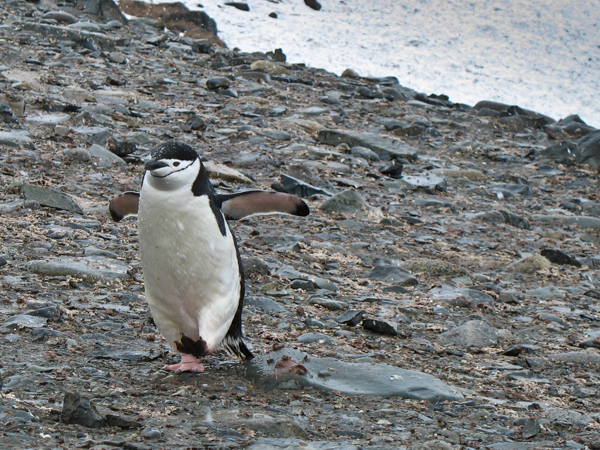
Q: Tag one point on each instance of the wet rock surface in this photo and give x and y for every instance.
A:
(470, 270)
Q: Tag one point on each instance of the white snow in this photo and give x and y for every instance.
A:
(542, 55)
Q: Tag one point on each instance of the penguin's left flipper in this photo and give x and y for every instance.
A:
(124, 205)
(243, 204)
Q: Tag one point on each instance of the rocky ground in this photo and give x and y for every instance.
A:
(443, 293)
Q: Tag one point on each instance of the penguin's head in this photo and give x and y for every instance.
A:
(173, 165)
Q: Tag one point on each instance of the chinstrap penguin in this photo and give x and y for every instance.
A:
(193, 274)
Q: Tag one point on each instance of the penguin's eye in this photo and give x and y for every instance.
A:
(176, 163)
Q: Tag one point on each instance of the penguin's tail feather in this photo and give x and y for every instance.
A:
(236, 346)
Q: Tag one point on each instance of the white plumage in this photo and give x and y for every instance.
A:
(191, 270)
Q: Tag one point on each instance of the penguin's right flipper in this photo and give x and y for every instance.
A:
(242, 204)
(124, 205)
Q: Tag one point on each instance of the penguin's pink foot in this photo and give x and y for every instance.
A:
(188, 364)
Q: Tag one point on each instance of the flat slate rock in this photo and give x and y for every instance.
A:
(379, 144)
(293, 444)
(592, 223)
(474, 333)
(92, 268)
(23, 321)
(291, 369)
(51, 198)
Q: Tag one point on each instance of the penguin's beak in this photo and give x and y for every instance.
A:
(153, 165)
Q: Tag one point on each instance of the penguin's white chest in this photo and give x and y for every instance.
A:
(191, 271)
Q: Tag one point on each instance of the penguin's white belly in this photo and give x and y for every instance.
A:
(191, 271)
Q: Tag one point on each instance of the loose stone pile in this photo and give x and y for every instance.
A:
(443, 293)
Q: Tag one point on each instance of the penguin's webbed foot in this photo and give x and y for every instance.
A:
(188, 364)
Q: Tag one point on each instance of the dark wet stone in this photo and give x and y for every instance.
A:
(79, 410)
(120, 147)
(379, 144)
(273, 370)
(217, 83)
(239, 5)
(559, 257)
(297, 187)
(381, 326)
(394, 170)
(51, 198)
(194, 123)
(517, 350)
(350, 318)
(302, 284)
(392, 274)
(49, 312)
(474, 333)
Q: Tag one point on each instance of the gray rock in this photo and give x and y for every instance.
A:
(217, 83)
(104, 157)
(434, 267)
(316, 338)
(23, 321)
(291, 369)
(297, 444)
(78, 154)
(15, 136)
(590, 356)
(346, 202)
(51, 198)
(91, 268)
(365, 153)
(117, 58)
(515, 220)
(381, 326)
(392, 274)
(474, 333)
(264, 303)
(328, 303)
(379, 144)
(60, 16)
(350, 318)
(48, 119)
(427, 182)
(592, 223)
(461, 297)
(546, 292)
(559, 257)
(79, 410)
(298, 187)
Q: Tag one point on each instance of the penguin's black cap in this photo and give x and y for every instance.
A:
(174, 150)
